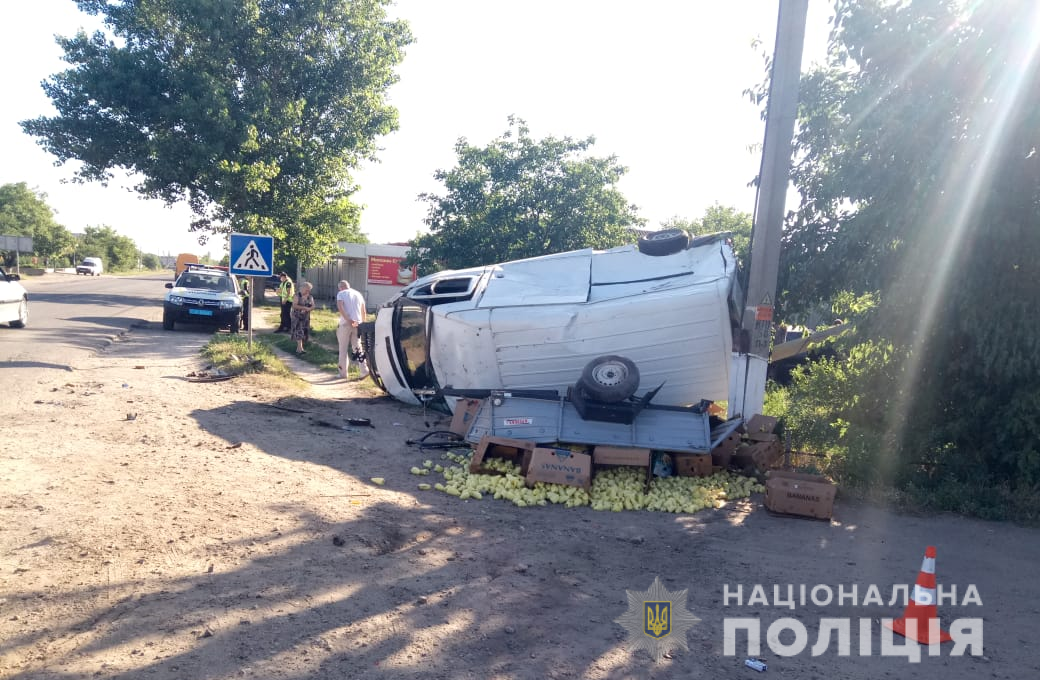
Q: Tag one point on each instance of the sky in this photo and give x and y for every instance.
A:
(658, 83)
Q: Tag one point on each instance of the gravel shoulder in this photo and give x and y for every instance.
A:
(155, 527)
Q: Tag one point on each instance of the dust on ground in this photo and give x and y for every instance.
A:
(154, 527)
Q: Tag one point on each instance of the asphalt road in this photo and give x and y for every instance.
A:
(71, 316)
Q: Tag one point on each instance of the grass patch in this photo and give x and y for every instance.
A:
(323, 328)
(323, 349)
(316, 354)
(271, 314)
(231, 354)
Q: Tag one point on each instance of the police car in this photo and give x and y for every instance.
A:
(204, 295)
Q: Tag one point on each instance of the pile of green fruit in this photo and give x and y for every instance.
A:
(616, 489)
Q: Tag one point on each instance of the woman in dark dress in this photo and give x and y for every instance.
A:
(300, 316)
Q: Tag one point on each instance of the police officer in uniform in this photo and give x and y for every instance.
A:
(247, 301)
(286, 291)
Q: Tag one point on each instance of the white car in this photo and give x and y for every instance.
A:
(667, 306)
(14, 301)
(90, 266)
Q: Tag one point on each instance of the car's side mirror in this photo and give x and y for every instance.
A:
(169, 285)
(14, 277)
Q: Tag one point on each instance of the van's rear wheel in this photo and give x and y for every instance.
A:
(610, 378)
(664, 242)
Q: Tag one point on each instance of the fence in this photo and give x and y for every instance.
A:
(353, 265)
(326, 277)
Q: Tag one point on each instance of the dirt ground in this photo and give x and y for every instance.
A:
(154, 527)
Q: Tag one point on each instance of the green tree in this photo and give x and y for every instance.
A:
(254, 112)
(718, 218)
(117, 252)
(149, 261)
(24, 212)
(916, 157)
(519, 197)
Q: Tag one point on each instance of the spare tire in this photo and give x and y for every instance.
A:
(610, 378)
(664, 242)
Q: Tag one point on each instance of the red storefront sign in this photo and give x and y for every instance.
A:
(384, 270)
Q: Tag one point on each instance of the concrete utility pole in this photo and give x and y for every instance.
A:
(757, 319)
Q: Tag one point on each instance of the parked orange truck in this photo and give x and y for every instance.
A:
(183, 260)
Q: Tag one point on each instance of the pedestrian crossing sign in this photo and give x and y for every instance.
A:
(251, 255)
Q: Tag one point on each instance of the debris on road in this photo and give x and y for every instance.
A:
(208, 377)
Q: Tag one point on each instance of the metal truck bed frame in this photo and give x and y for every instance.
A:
(546, 420)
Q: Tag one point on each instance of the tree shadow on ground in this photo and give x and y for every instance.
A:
(423, 585)
(95, 299)
(35, 364)
(389, 594)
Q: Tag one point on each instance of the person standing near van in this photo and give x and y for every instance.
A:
(302, 305)
(286, 292)
(351, 307)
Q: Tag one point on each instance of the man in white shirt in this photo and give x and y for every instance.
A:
(351, 307)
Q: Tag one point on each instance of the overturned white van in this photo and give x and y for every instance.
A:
(668, 304)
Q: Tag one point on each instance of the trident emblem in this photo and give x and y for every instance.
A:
(658, 619)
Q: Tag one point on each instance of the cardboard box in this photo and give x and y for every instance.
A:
(763, 455)
(723, 451)
(465, 414)
(619, 455)
(559, 466)
(692, 464)
(796, 493)
(622, 455)
(499, 447)
(767, 454)
(760, 427)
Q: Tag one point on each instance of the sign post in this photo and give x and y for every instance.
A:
(19, 244)
(251, 255)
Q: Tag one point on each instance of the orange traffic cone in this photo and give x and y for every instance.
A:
(922, 609)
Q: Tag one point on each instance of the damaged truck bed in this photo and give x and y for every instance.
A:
(545, 419)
